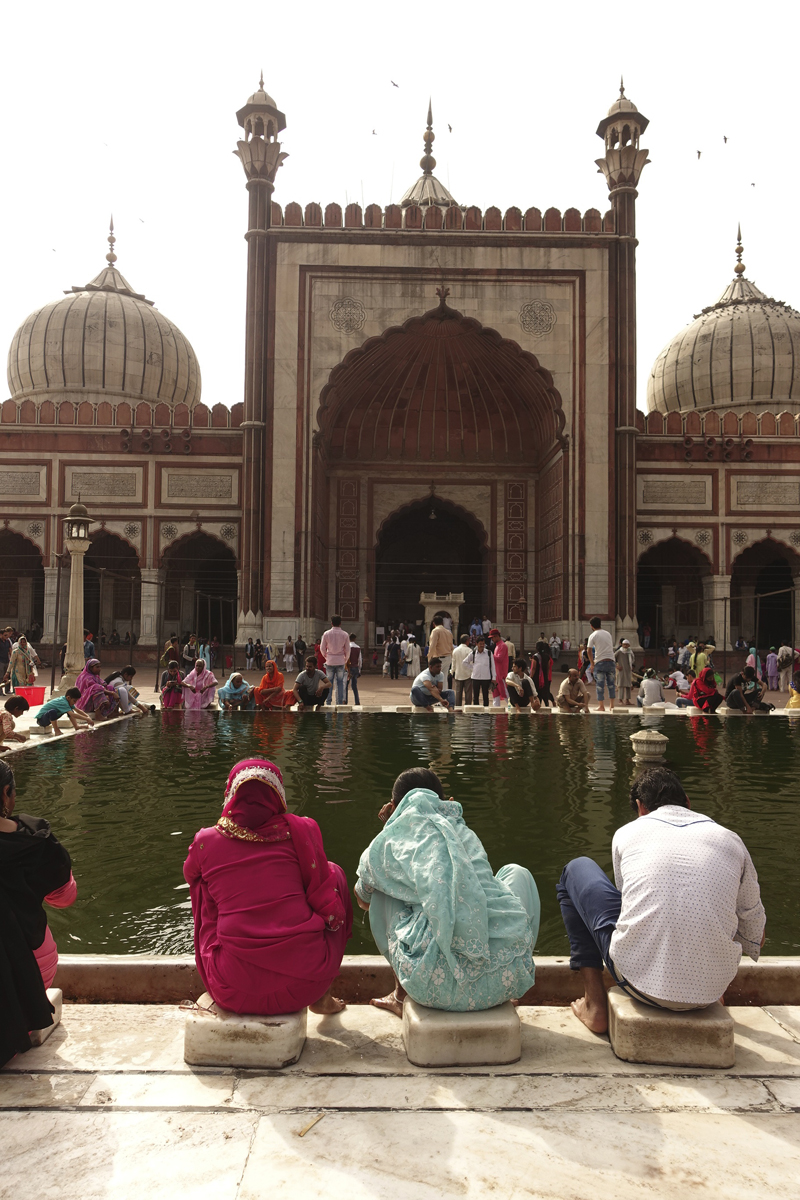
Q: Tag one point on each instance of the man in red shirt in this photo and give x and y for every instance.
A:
(335, 649)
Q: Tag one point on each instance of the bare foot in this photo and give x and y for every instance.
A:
(593, 1018)
(391, 1003)
(601, 708)
(328, 1005)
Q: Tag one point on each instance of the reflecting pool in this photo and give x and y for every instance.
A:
(127, 800)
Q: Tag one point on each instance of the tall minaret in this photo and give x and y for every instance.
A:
(260, 154)
(622, 165)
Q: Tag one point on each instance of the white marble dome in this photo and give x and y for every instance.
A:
(742, 352)
(103, 340)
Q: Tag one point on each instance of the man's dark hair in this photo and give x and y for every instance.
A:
(481, 639)
(749, 672)
(520, 662)
(595, 622)
(311, 658)
(417, 777)
(464, 637)
(73, 693)
(437, 620)
(657, 787)
(336, 620)
(434, 662)
(16, 704)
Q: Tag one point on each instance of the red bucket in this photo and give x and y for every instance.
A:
(34, 695)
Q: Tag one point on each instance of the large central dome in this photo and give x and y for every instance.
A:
(742, 352)
(103, 339)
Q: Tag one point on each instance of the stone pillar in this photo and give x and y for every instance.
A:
(152, 605)
(796, 629)
(716, 591)
(74, 660)
(260, 155)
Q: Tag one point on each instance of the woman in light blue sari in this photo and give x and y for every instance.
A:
(457, 936)
(236, 693)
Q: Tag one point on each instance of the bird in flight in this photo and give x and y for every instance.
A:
(450, 127)
(724, 139)
(374, 133)
(392, 82)
(752, 185)
(699, 152)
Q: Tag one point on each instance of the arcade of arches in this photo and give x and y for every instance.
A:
(440, 405)
(679, 594)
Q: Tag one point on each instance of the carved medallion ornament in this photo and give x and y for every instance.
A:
(739, 537)
(703, 537)
(168, 532)
(35, 529)
(794, 538)
(228, 532)
(348, 315)
(645, 537)
(131, 531)
(538, 318)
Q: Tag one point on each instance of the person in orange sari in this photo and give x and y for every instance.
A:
(271, 693)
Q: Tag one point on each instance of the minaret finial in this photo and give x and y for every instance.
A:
(739, 268)
(111, 257)
(621, 86)
(428, 162)
(261, 81)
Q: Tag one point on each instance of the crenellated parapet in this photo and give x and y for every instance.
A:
(167, 424)
(721, 436)
(448, 220)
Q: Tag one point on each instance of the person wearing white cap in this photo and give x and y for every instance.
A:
(625, 659)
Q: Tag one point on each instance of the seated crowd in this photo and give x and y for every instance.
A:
(272, 915)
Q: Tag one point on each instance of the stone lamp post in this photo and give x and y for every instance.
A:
(76, 539)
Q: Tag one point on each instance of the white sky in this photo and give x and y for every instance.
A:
(131, 109)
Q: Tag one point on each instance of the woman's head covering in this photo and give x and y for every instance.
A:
(254, 796)
(707, 681)
(200, 665)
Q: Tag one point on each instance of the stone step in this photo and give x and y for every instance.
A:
(453, 1039)
(213, 1037)
(639, 1033)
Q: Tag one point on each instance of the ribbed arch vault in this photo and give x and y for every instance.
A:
(440, 388)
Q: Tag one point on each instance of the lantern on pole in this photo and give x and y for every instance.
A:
(76, 539)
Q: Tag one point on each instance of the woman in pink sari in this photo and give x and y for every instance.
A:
(96, 696)
(500, 691)
(199, 686)
(271, 915)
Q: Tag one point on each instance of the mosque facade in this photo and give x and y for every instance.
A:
(436, 398)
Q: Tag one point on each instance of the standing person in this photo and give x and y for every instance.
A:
(199, 686)
(189, 654)
(271, 914)
(353, 667)
(601, 656)
(300, 650)
(413, 656)
(685, 906)
(171, 690)
(335, 649)
(319, 655)
(753, 661)
(772, 669)
(521, 688)
(462, 672)
(21, 669)
(785, 664)
(684, 654)
(289, 664)
(486, 625)
(96, 696)
(542, 652)
(249, 654)
(482, 672)
(500, 653)
(403, 654)
(646, 635)
(512, 650)
(441, 645)
(214, 648)
(88, 646)
(698, 661)
(475, 631)
(311, 685)
(35, 869)
(393, 657)
(428, 688)
(259, 653)
(625, 660)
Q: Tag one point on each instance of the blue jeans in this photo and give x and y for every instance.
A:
(354, 685)
(425, 699)
(336, 673)
(605, 676)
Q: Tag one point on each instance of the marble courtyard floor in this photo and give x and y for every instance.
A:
(107, 1107)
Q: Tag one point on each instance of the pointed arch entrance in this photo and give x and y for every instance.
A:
(429, 546)
(670, 592)
(200, 587)
(762, 606)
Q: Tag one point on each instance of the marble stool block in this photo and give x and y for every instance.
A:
(702, 1037)
(217, 1038)
(370, 708)
(433, 1038)
(344, 707)
(41, 1035)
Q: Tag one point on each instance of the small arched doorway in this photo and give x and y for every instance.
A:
(112, 587)
(669, 586)
(429, 546)
(21, 584)
(200, 588)
(762, 606)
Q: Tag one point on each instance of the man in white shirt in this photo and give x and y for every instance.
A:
(604, 665)
(462, 671)
(481, 664)
(555, 647)
(686, 904)
(335, 648)
(428, 688)
(441, 645)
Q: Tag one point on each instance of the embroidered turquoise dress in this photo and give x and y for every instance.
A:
(457, 936)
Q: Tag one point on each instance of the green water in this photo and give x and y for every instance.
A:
(127, 800)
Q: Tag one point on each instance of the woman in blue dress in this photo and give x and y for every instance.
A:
(457, 936)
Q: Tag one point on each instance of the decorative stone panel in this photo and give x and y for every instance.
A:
(208, 485)
(516, 553)
(21, 483)
(114, 485)
(673, 492)
(549, 547)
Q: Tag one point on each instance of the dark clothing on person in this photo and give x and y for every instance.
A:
(521, 700)
(307, 683)
(300, 648)
(480, 688)
(32, 864)
(748, 697)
